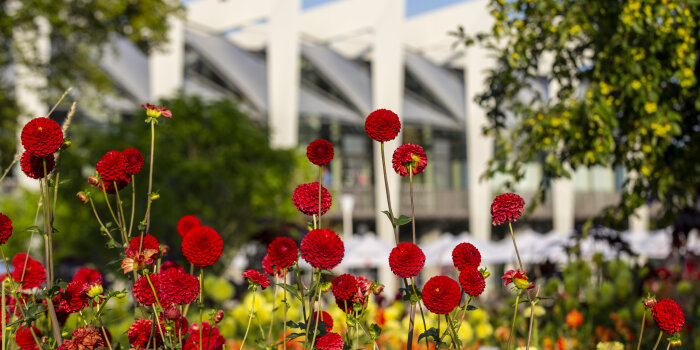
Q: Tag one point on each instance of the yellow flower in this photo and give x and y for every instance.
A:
(604, 88)
(636, 84)
(645, 170)
(466, 333)
(574, 30)
(484, 331)
(650, 107)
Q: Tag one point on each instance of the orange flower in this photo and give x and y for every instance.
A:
(574, 319)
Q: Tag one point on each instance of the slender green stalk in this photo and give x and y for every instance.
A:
(114, 217)
(425, 325)
(121, 208)
(4, 325)
(453, 333)
(300, 286)
(284, 306)
(413, 210)
(515, 313)
(512, 236)
(133, 204)
(388, 196)
(641, 331)
(272, 313)
(49, 257)
(317, 296)
(201, 304)
(150, 179)
(104, 334)
(250, 318)
(658, 340)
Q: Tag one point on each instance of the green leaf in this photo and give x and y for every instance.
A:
(375, 331)
(472, 308)
(291, 289)
(402, 220)
(388, 215)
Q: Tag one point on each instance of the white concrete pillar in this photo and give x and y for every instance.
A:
(563, 190)
(347, 205)
(166, 66)
(30, 84)
(639, 221)
(283, 73)
(387, 92)
(479, 146)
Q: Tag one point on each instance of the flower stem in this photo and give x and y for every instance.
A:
(413, 211)
(301, 288)
(201, 299)
(658, 340)
(320, 186)
(49, 257)
(532, 318)
(317, 296)
(4, 324)
(133, 203)
(284, 307)
(641, 331)
(150, 178)
(425, 326)
(388, 196)
(515, 313)
(450, 327)
(272, 313)
(250, 318)
(512, 236)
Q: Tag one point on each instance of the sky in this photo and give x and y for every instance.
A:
(413, 7)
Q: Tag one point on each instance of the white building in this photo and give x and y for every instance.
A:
(317, 72)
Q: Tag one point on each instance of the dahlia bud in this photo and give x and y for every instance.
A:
(172, 313)
(485, 273)
(675, 340)
(194, 327)
(522, 283)
(649, 302)
(219, 316)
(65, 334)
(168, 328)
(93, 180)
(377, 288)
(164, 249)
(83, 197)
(95, 290)
(66, 144)
(326, 286)
(154, 196)
(120, 295)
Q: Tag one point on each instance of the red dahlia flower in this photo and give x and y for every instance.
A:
(466, 256)
(305, 199)
(186, 223)
(319, 152)
(283, 252)
(323, 317)
(31, 273)
(88, 276)
(409, 155)
(167, 265)
(257, 278)
(441, 294)
(382, 125)
(42, 136)
(24, 338)
(472, 282)
(134, 160)
(144, 293)
(406, 260)
(155, 111)
(269, 268)
(178, 287)
(330, 341)
(33, 166)
(149, 242)
(506, 207)
(322, 248)
(112, 167)
(202, 246)
(519, 279)
(142, 334)
(5, 228)
(211, 338)
(668, 316)
(74, 298)
(344, 287)
(180, 324)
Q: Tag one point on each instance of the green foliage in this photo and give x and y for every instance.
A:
(79, 32)
(627, 94)
(211, 161)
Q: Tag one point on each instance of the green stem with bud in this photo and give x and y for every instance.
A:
(515, 313)
(658, 340)
(641, 331)
(250, 318)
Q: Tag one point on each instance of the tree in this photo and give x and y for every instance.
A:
(79, 31)
(628, 96)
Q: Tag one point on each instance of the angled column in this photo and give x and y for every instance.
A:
(479, 146)
(387, 92)
(283, 73)
(166, 66)
(562, 189)
(30, 84)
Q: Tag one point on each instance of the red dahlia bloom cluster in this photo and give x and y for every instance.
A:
(134, 161)
(441, 295)
(320, 152)
(506, 207)
(88, 276)
(211, 338)
(142, 334)
(202, 246)
(283, 252)
(177, 287)
(410, 156)
(74, 298)
(84, 338)
(29, 272)
(382, 125)
(330, 341)
(148, 242)
(406, 260)
(24, 338)
(112, 167)
(5, 228)
(344, 287)
(42, 137)
(269, 268)
(33, 166)
(668, 316)
(305, 199)
(187, 223)
(466, 256)
(257, 278)
(322, 248)
(143, 291)
(362, 291)
(472, 282)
